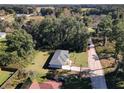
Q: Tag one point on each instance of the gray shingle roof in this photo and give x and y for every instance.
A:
(59, 57)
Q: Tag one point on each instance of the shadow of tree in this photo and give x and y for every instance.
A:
(115, 82)
(76, 82)
(69, 81)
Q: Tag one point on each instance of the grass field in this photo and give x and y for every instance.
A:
(4, 75)
(35, 18)
(37, 65)
(38, 61)
(79, 59)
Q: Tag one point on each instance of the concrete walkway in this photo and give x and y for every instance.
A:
(75, 68)
(97, 73)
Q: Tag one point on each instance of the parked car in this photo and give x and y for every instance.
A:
(90, 46)
(62, 78)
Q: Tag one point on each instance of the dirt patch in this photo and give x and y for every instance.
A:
(107, 64)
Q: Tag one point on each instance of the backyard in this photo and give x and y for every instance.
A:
(37, 65)
(4, 75)
(79, 59)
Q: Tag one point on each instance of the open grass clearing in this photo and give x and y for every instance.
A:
(35, 18)
(37, 65)
(38, 61)
(79, 59)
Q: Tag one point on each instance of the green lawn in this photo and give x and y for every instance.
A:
(79, 59)
(37, 65)
(4, 75)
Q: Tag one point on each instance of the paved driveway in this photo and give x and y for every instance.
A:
(97, 73)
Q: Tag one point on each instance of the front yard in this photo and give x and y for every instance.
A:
(79, 59)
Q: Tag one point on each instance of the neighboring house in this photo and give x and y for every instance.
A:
(2, 18)
(2, 35)
(20, 15)
(59, 59)
(50, 84)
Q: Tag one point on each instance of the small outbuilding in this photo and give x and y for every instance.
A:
(59, 59)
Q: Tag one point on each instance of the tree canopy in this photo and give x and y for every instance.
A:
(62, 32)
(20, 42)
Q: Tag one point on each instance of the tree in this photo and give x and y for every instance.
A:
(76, 10)
(117, 35)
(87, 21)
(20, 42)
(105, 27)
(60, 33)
(58, 12)
(46, 11)
(62, 12)
(4, 25)
(8, 58)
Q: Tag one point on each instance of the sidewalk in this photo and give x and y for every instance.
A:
(75, 68)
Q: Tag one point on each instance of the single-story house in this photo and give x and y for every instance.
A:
(20, 15)
(59, 59)
(50, 84)
(2, 35)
